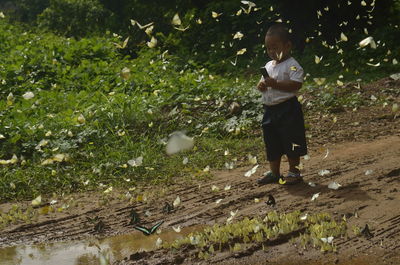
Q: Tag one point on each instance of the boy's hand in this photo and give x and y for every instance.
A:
(261, 86)
(268, 82)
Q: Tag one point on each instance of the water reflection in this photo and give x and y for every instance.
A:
(86, 252)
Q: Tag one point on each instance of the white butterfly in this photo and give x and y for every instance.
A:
(214, 188)
(304, 217)
(234, 63)
(395, 108)
(247, 11)
(124, 44)
(312, 184)
(125, 73)
(28, 95)
(241, 51)
(327, 153)
(279, 56)
(177, 229)
(149, 30)
(152, 43)
(215, 14)
(238, 35)
(328, 240)
(176, 20)
(343, 37)
(323, 172)
(252, 159)
(233, 214)
(318, 59)
(375, 65)
(229, 165)
(251, 171)
(319, 80)
(37, 201)
(315, 196)
(134, 22)
(159, 242)
(294, 146)
(178, 142)
(136, 162)
(334, 185)
(181, 28)
(249, 3)
(177, 201)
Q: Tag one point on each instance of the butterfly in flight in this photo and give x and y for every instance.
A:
(124, 44)
(148, 231)
(134, 22)
(271, 200)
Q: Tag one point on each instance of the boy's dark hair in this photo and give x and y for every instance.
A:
(279, 30)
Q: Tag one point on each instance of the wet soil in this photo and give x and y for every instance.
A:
(359, 142)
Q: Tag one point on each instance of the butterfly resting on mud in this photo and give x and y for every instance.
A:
(148, 231)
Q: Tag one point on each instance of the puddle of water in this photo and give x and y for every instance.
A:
(85, 252)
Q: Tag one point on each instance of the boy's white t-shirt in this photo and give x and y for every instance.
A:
(289, 69)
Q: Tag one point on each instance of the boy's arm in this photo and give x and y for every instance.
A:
(284, 85)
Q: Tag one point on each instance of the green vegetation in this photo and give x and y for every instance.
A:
(86, 119)
(317, 230)
(78, 102)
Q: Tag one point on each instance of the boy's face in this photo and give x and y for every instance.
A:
(277, 49)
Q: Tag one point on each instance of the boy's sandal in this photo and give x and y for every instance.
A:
(268, 178)
(293, 178)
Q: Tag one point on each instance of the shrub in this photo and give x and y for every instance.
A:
(74, 17)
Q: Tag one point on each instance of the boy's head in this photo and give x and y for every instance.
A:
(277, 42)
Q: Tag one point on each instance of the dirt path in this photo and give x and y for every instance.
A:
(364, 141)
(375, 198)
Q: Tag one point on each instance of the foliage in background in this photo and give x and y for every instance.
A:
(203, 33)
(75, 18)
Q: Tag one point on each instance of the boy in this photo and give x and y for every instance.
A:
(283, 122)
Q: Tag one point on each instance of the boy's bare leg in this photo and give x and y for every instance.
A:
(275, 167)
(294, 162)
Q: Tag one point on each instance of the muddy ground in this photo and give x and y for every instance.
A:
(366, 140)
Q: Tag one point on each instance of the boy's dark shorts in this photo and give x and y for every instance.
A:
(283, 129)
